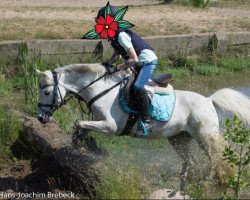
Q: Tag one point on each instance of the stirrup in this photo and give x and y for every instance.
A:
(142, 128)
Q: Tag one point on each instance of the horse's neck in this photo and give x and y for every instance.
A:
(76, 82)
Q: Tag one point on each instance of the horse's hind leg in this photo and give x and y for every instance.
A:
(182, 144)
(206, 132)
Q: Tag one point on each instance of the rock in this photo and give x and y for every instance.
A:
(167, 194)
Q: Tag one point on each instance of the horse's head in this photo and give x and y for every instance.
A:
(51, 95)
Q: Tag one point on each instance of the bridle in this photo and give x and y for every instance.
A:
(54, 106)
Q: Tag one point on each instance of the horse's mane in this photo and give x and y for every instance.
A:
(95, 68)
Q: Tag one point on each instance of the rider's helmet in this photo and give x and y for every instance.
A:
(108, 23)
(101, 12)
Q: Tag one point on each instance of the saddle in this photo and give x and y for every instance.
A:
(160, 80)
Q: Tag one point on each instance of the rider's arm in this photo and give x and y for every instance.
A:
(125, 41)
(133, 59)
(115, 57)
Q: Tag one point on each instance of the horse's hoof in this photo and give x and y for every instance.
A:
(75, 142)
(78, 136)
(77, 126)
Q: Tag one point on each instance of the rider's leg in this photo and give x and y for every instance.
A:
(143, 77)
(143, 103)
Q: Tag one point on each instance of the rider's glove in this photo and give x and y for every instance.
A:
(112, 69)
(105, 63)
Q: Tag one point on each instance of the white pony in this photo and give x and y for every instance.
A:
(193, 113)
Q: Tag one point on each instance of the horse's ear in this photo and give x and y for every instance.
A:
(40, 73)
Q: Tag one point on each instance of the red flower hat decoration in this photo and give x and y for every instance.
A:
(107, 26)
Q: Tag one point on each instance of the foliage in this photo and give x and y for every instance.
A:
(208, 64)
(213, 44)
(181, 60)
(209, 70)
(195, 191)
(238, 156)
(28, 79)
(199, 3)
(5, 85)
(9, 131)
(13, 142)
(234, 63)
(194, 3)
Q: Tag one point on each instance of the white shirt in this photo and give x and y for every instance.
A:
(146, 55)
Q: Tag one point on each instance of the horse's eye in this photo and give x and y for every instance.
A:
(47, 93)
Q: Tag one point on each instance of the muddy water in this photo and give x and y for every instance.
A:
(206, 85)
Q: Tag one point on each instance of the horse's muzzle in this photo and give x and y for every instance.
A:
(43, 118)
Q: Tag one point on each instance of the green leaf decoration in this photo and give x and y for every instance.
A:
(107, 10)
(90, 35)
(120, 13)
(125, 24)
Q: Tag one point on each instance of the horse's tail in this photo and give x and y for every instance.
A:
(233, 101)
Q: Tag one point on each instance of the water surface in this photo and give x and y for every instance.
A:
(206, 85)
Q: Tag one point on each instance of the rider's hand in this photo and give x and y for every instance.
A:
(105, 63)
(112, 69)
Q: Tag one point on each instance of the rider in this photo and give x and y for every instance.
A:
(135, 51)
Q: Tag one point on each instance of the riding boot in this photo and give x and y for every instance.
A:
(143, 106)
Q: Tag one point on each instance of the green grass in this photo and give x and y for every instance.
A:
(207, 65)
(10, 128)
(208, 70)
(195, 191)
(125, 145)
(244, 4)
(5, 85)
(14, 145)
(234, 63)
(117, 183)
(194, 3)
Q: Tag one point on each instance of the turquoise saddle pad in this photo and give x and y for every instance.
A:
(161, 105)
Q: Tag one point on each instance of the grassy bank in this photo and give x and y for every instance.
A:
(206, 65)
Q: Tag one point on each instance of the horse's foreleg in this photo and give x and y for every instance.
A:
(81, 133)
(107, 127)
(78, 136)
